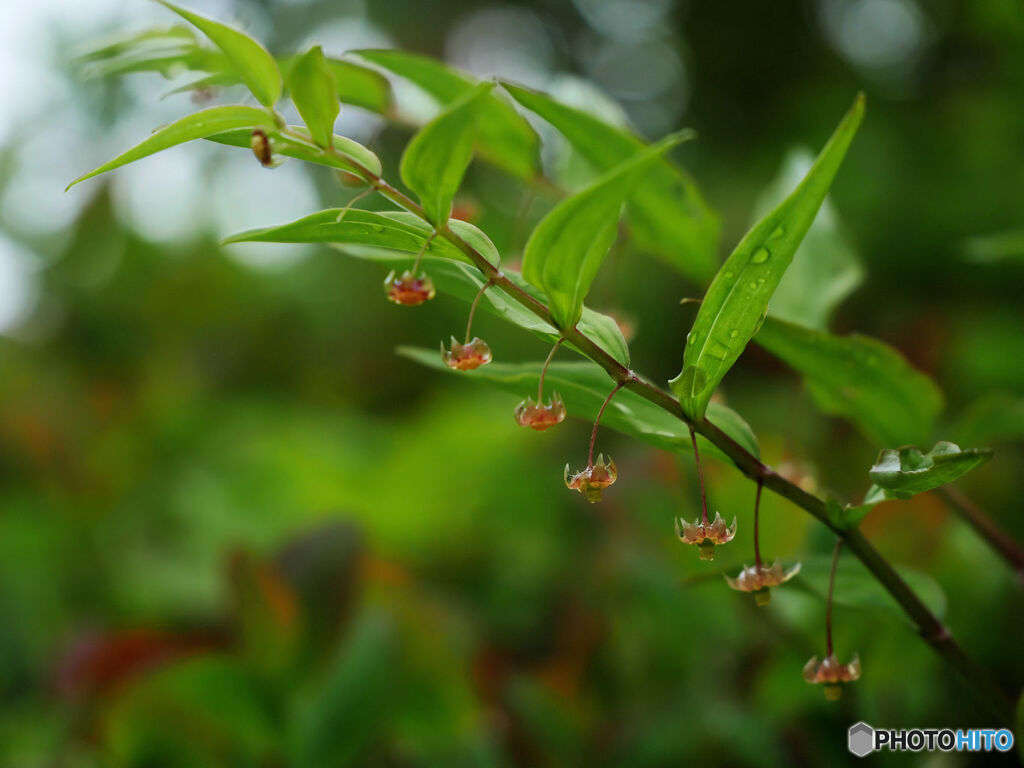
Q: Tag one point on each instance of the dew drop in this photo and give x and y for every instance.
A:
(728, 275)
(733, 333)
(779, 232)
(760, 256)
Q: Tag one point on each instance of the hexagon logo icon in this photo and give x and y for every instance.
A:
(860, 739)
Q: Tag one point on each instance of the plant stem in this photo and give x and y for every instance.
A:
(423, 249)
(757, 520)
(472, 308)
(353, 201)
(544, 370)
(930, 628)
(997, 538)
(600, 413)
(828, 601)
(700, 478)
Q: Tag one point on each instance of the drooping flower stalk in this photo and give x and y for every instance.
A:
(597, 422)
(828, 600)
(469, 354)
(757, 520)
(832, 675)
(700, 479)
(596, 476)
(472, 307)
(544, 370)
(348, 206)
(538, 415)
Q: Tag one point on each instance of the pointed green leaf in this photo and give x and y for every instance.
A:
(505, 138)
(905, 472)
(566, 249)
(437, 157)
(584, 386)
(859, 379)
(359, 155)
(825, 268)
(390, 231)
(394, 238)
(198, 125)
(361, 87)
(666, 214)
(251, 61)
(315, 93)
(735, 303)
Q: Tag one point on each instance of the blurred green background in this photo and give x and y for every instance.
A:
(237, 530)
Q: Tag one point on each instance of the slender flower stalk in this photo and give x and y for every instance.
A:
(757, 520)
(544, 370)
(761, 578)
(595, 477)
(469, 354)
(538, 415)
(828, 671)
(700, 478)
(933, 631)
(348, 206)
(472, 307)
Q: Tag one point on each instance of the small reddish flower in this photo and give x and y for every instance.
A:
(759, 580)
(539, 416)
(705, 535)
(409, 290)
(466, 357)
(831, 674)
(592, 481)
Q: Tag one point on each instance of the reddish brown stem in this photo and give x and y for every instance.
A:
(757, 520)
(472, 307)
(544, 370)
(600, 413)
(987, 528)
(828, 601)
(700, 478)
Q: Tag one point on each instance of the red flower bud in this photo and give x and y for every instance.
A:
(833, 675)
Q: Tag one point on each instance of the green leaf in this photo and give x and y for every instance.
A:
(666, 214)
(505, 138)
(315, 93)
(361, 87)
(825, 268)
(251, 61)
(849, 516)
(584, 387)
(392, 232)
(394, 238)
(860, 379)
(165, 50)
(566, 249)
(905, 472)
(735, 303)
(198, 125)
(437, 157)
(359, 155)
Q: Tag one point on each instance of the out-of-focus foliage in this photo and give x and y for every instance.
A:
(237, 529)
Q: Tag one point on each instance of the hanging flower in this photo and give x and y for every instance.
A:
(705, 535)
(466, 357)
(409, 290)
(262, 148)
(759, 579)
(831, 674)
(539, 416)
(592, 481)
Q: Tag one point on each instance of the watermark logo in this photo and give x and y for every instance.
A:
(862, 739)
